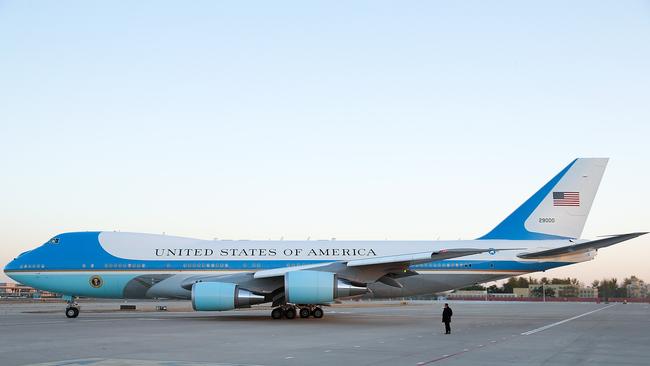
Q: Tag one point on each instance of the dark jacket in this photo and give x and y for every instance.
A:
(446, 315)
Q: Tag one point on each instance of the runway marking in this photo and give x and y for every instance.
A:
(564, 321)
(504, 339)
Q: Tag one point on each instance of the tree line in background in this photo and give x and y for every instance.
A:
(608, 287)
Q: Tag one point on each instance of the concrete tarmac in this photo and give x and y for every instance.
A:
(360, 334)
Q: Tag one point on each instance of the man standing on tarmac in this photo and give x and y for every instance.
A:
(446, 318)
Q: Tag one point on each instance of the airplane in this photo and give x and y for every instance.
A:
(299, 277)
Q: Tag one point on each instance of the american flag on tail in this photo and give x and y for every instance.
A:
(566, 199)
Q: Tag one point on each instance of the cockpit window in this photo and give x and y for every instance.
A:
(54, 240)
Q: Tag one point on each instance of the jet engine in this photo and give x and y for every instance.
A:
(219, 296)
(314, 287)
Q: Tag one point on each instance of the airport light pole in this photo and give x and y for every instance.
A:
(543, 292)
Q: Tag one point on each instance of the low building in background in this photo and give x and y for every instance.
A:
(477, 294)
(588, 292)
(467, 294)
(556, 291)
(637, 288)
(16, 290)
(521, 291)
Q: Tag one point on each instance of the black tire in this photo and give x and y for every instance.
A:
(276, 313)
(318, 313)
(304, 313)
(71, 312)
(290, 313)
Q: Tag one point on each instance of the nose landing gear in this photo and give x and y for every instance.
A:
(289, 311)
(72, 309)
(72, 312)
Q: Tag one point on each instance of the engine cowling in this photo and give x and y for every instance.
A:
(220, 296)
(315, 287)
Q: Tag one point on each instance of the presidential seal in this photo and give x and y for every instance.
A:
(96, 281)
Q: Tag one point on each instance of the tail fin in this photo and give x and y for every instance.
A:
(559, 209)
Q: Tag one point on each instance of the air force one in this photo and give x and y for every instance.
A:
(298, 277)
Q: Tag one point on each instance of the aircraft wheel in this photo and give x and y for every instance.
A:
(318, 313)
(304, 313)
(276, 313)
(290, 313)
(72, 312)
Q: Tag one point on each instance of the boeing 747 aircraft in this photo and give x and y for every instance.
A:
(297, 277)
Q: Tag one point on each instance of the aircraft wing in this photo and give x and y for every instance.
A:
(582, 247)
(368, 270)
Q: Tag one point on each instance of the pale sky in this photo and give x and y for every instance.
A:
(355, 120)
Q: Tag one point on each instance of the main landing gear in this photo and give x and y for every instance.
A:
(289, 311)
(72, 309)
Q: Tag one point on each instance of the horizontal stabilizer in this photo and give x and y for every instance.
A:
(590, 245)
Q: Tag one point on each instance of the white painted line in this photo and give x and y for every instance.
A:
(565, 320)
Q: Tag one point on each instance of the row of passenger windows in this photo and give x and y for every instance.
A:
(142, 265)
(297, 264)
(445, 265)
(204, 265)
(244, 265)
(124, 265)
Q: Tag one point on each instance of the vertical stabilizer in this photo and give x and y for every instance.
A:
(559, 209)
